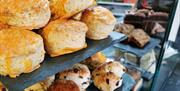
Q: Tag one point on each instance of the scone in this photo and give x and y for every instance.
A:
(28, 14)
(108, 77)
(21, 51)
(139, 37)
(64, 36)
(100, 22)
(67, 8)
(41, 86)
(107, 81)
(64, 85)
(79, 73)
(115, 67)
(95, 60)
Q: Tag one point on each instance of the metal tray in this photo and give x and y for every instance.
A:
(139, 51)
(127, 84)
(51, 66)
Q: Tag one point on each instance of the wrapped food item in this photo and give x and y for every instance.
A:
(95, 60)
(79, 74)
(21, 51)
(28, 14)
(64, 36)
(68, 8)
(100, 22)
(139, 37)
(63, 85)
(108, 76)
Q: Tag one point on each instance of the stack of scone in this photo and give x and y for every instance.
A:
(63, 27)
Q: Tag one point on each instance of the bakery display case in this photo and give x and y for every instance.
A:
(82, 45)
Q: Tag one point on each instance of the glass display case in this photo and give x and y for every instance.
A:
(143, 41)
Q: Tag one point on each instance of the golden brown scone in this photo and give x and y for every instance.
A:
(63, 85)
(21, 51)
(28, 14)
(67, 8)
(95, 60)
(41, 86)
(79, 73)
(64, 36)
(115, 67)
(100, 22)
(107, 81)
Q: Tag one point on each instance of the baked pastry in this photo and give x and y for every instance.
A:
(108, 76)
(41, 86)
(135, 19)
(100, 22)
(21, 51)
(79, 73)
(64, 85)
(95, 60)
(125, 28)
(115, 67)
(68, 8)
(139, 37)
(107, 81)
(64, 36)
(28, 14)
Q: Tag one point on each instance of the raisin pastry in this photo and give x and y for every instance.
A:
(107, 81)
(79, 73)
(115, 67)
(108, 76)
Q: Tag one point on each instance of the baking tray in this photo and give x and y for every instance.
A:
(139, 51)
(51, 66)
(127, 84)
